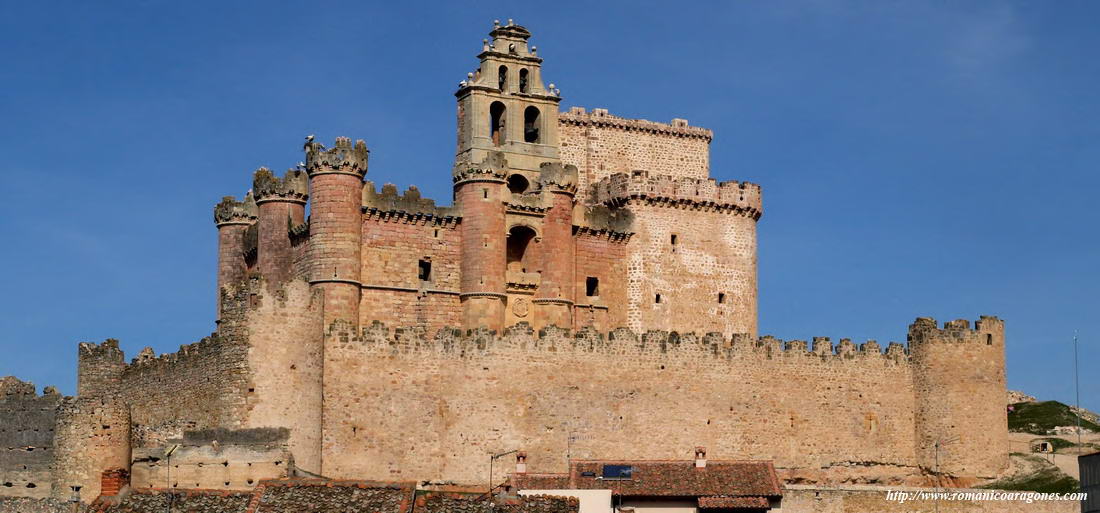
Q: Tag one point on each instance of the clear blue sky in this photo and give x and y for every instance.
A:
(918, 158)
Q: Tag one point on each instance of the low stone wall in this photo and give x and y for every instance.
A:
(873, 499)
(28, 505)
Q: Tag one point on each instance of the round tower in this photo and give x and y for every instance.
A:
(282, 205)
(554, 300)
(959, 386)
(479, 194)
(232, 218)
(336, 225)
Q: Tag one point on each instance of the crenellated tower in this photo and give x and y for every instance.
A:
(282, 205)
(336, 224)
(959, 388)
(232, 219)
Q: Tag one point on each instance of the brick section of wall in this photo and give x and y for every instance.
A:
(601, 144)
(602, 257)
(959, 381)
(335, 228)
(393, 246)
(441, 404)
(554, 299)
(26, 439)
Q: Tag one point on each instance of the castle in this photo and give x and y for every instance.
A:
(591, 293)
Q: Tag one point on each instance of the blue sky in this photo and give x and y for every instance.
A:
(917, 158)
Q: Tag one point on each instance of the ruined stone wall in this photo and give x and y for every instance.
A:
(872, 499)
(398, 233)
(26, 438)
(214, 459)
(601, 144)
(93, 434)
(439, 406)
(600, 256)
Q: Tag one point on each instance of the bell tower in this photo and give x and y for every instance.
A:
(503, 106)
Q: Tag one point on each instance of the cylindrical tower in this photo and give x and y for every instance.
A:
(959, 384)
(232, 218)
(554, 301)
(281, 203)
(336, 225)
(479, 195)
(92, 434)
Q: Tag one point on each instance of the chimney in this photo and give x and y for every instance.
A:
(521, 462)
(700, 457)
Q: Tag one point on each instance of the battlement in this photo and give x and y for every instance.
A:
(555, 176)
(742, 198)
(602, 220)
(231, 211)
(106, 351)
(411, 202)
(342, 157)
(12, 387)
(987, 330)
(293, 186)
(601, 118)
(493, 168)
(657, 344)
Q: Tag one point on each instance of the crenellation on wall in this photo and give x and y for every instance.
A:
(389, 201)
(705, 194)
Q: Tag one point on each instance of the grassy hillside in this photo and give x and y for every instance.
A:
(1040, 417)
(1036, 475)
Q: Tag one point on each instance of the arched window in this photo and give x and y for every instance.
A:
(519, 257)
(523, 80)
(496, 123)
(531, 124)
(518, 183)
(502, 78)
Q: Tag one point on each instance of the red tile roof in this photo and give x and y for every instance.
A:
(718, 479)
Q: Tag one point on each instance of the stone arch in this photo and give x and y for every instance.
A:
(523, 80)
(497, 114)
(502, 78)
(531, 122)
(520, 248)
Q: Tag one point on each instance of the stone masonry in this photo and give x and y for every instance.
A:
(591, 293)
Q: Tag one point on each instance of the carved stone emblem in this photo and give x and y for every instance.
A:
(520, 307)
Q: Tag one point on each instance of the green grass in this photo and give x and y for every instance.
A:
(1040, 417)
(1048, 479)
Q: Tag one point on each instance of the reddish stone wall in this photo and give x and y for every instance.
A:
(393, 246)
(600, 256)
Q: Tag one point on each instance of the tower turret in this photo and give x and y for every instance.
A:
(554, 300)
(503, 106)
(336, 225)
(959, 384)
(232, 218)
(281, 203)
(479, 194)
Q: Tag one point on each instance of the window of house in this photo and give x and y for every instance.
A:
(424, 270)
(592, 286)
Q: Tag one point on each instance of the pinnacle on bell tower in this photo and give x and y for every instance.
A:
(503, 106)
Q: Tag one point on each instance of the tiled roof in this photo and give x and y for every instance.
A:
(733, 502)
(718, 479)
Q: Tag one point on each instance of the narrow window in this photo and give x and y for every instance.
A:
(425, 270)
(988, 340)
(673, 239)
(485, 193)
(523, 80)
(496, 123)
(592, 286)
(531, 125)
(657, 299)
(721, 298)
(502, 78)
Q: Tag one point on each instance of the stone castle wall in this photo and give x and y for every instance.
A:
(27, 422)
(601, 144)
(441, 405)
